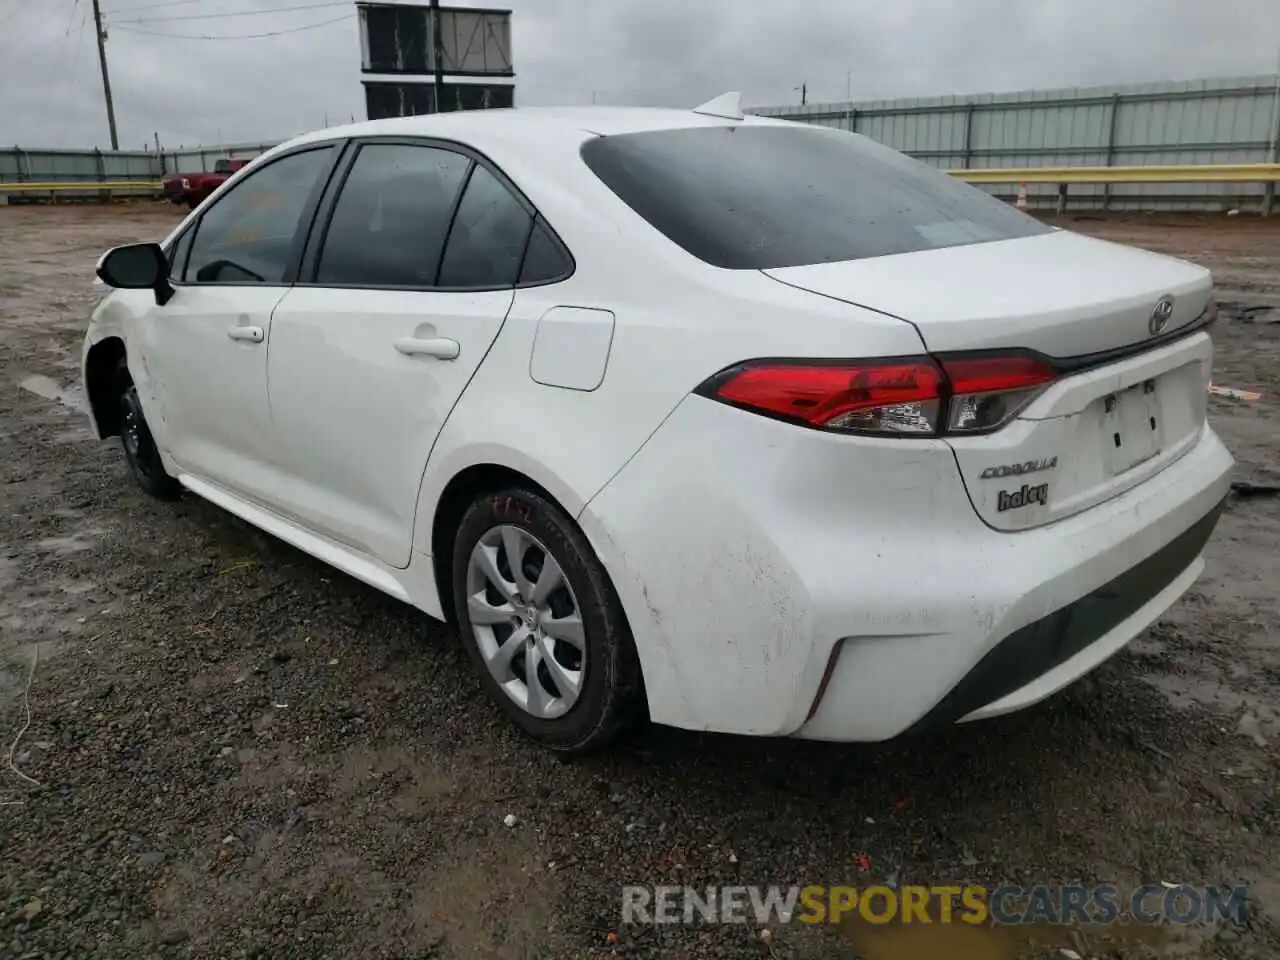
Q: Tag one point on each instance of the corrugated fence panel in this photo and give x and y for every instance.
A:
(1224, 120)
(203, 159)
(130, 166)
(18, 163)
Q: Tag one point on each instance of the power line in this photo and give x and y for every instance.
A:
(31, 50)
(75, 4)
(156, 6)
(237, 36)
(237, 13)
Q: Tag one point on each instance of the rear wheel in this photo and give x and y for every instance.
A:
(542, 623)
(139, 446)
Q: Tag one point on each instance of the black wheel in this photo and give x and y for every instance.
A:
(139, 447)
(542, 623)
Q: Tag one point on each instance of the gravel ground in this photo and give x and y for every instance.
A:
(240, 752)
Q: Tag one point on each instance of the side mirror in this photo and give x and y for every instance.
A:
(138, 266)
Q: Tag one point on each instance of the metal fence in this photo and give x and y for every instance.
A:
(73, 165)
(202, 159)
(58, 166)
(1222, 121)
(1229, 120)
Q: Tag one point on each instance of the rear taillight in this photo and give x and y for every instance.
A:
(987, 392)
(912, 396)
(895, 396)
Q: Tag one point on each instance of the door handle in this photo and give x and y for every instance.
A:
(441, 348)
(252, 334)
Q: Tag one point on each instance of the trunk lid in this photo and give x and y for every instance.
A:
(1108, 423)
(1060, 293)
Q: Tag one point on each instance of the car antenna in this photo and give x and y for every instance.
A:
(727, 105)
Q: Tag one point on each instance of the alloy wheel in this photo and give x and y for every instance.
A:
(133, 431)
(526, 621)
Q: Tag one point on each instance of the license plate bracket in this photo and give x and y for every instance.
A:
(1132, 428)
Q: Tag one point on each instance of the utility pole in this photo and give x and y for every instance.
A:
(106, 77)
(1273, 145)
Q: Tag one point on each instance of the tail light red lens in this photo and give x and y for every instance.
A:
(899, 396)
(987, 392)
(912, 396)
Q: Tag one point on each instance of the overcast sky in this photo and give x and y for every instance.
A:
(666, 52)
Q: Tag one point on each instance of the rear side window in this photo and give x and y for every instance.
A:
(544, 260)
(488, 238)
(389, 225)
(755, 197)
(248, 235)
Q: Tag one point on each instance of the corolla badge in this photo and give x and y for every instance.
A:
(1018, 469)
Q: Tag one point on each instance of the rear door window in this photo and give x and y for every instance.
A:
(390, 221)
(762, 196)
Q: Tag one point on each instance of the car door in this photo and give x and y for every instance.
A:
(204, 353)
(400, 297)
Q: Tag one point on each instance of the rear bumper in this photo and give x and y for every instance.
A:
(1044, 656)
(787, 582)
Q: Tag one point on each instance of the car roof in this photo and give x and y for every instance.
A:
(528, 122)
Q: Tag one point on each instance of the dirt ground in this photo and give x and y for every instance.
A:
(240, 752)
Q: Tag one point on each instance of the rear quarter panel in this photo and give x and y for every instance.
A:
(677, 322)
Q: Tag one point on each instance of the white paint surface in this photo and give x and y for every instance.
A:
(571, 348)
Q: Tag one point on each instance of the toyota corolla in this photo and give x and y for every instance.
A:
(739, 424)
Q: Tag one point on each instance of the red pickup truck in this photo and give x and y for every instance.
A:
(193, 188)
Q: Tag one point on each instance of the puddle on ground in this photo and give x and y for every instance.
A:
(49, 388)
(77, 436)
(1183, 692)
(78, 587)
(81, 540)
(1249, 715)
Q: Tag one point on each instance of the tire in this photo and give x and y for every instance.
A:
(609, 695)
(139, 446)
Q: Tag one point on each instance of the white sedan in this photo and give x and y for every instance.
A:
(739, 424)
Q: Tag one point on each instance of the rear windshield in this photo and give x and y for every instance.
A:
(755, 197)
(222, 166)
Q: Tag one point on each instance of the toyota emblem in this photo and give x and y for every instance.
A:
(1161, 314)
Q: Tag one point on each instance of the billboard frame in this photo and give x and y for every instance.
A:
(435, 13)
(437, 94)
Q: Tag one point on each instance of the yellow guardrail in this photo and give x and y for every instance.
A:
(1166, 173)
(82, 186)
